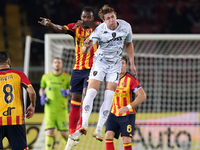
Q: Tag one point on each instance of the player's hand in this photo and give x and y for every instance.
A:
(78, 23)
(134, 71)
(45, 21)
(65, 92)
(43, 99)
(88, 42)
(90, 24)
(123, 109)
(30, 111)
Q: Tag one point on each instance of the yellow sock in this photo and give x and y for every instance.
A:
(49, 142)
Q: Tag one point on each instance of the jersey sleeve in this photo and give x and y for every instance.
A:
(42, 82)
(24, 80)
(70, 26)
(135, 85)
(95, 35)
(130, 34)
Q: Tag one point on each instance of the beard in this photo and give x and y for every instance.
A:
(57, 69)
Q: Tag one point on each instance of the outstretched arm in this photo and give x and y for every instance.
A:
(54, 27)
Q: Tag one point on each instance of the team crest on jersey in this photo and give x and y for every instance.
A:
(94, 73)
(88, 30)
(123, 83)
(114, 34)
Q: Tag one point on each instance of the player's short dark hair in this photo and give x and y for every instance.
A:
(88, 8)
(4, 56)
(125, 58)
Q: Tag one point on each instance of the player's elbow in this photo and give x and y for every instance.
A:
(142, 95)
(32, 95)
(31, 92)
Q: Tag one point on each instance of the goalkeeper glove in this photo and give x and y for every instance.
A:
(65, 92)
(43, 99)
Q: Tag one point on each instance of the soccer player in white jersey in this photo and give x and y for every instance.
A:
(112, 35)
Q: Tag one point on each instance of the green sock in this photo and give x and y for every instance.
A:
(49, 142)
(65, 140)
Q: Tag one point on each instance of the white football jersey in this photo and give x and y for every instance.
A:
(111, 42)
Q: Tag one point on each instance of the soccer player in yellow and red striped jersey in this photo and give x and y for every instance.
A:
(12, 123)
(81, 30)
(122, 116)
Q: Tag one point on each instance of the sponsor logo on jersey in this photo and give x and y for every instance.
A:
(8, 111)
(115, 39)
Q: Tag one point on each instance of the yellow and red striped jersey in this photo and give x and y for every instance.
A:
(82, 61)
(124, 94)
(11, 96)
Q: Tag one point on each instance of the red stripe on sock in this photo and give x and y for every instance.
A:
(74, 116)
(80, 118)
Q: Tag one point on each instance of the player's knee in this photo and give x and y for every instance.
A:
(126, 139)
(64, 134)
(110, 135)
(77, 97)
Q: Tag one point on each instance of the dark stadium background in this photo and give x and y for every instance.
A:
(145, 16)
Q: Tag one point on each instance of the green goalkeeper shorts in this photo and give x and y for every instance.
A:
(58, 119)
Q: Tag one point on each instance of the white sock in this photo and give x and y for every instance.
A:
(68, 142)
(88, 105)
(105, 108)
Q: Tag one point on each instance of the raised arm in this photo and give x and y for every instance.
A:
(54, 27)
(130, 52)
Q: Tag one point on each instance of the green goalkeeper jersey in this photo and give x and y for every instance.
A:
(53, 85)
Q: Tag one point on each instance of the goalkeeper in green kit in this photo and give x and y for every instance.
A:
(54, 89)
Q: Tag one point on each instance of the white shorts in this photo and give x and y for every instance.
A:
(101, 70)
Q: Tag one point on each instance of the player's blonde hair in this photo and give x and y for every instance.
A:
(104, 10)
